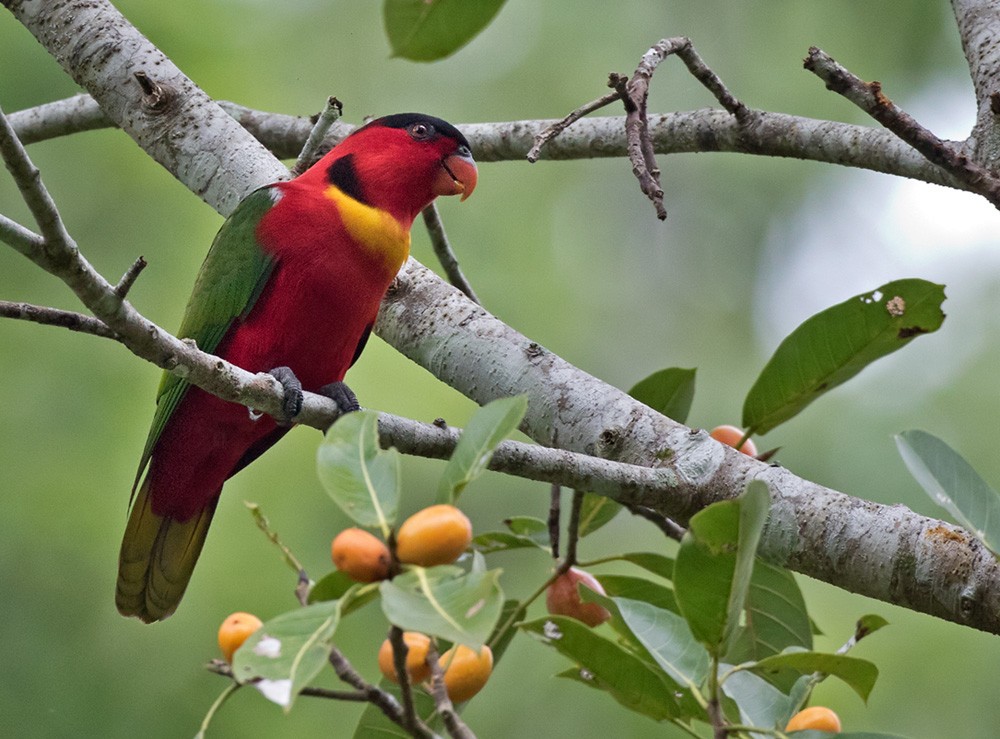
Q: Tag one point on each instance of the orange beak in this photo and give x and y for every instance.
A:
(458, 175)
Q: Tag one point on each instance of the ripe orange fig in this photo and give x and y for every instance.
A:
(416, 658)
(731, 436)
(434, 536)
(466, 671)
(818, 718)
(362, 556)
(563, 599)
(235, 630)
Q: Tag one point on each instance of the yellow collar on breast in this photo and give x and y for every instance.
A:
(373, 228)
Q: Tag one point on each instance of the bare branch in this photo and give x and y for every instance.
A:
(382, 700)
(550, 132)
(869, 97)
(767, 134)
(445, 708)
(310, 149)
(444, 252)
(128, 279)
(55, 317)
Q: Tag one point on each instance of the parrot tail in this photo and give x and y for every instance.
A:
(157, 557)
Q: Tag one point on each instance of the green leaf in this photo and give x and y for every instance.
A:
(834, 345)
(953, 484)
(444, 601)
(859, 674)
(759, 702)
(868, 625)
(596, 511)
(426, 30)
(288, 651)
(639, 588)
(362, 479)
(715, 563)
(534, 528)
(330, 587)
(511, 613)
(502, 541)
(776, 618)
(490, 425)
(608, 666)
(336, 584)
(669, 391)
(666, 637)
(658, 564)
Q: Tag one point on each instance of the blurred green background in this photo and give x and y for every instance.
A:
(568, 253)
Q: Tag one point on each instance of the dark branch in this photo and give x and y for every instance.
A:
(869, 97)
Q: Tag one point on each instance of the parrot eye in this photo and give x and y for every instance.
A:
(421, 131)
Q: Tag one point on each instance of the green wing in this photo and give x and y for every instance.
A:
(230, 281)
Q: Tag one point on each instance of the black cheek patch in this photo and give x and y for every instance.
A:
(342, 175)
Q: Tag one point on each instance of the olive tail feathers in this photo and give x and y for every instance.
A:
(157, 558)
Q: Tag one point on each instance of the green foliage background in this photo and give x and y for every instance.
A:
(568, 253)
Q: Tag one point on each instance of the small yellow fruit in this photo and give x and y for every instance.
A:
(731, 435)
(235, 630)
(466, 671)
(563, 599)
(416, 658)
(818, 718)
(362, 556)
(434, 536)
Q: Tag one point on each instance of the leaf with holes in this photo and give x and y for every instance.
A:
(834, 345)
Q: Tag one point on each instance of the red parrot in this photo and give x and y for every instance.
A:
(291, 285)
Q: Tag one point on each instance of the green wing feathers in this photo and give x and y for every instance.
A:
(157, 558)
(229, 283)
(158, 553)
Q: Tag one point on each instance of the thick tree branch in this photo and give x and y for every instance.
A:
(884, 552)
(979, 29)
(105, 60)
(704, 130)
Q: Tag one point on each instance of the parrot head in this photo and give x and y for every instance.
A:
(400, 163)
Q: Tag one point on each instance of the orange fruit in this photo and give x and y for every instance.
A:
(818, 718)
(731, 436)
(466, 671)
(416, 658)
(362, 556)
(563, 599)
(434, 536)
(235, 630)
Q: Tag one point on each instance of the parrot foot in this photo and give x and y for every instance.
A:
(342, 395)
(292, 403)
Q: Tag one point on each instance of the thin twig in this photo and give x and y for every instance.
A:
(444, 252)
(869, 97)
(400, 650)
(329, 115)
(668, 526)
(446, 709)
(33, 191)
(128, 279)
(56, 317)
(572, 532)
(382, 700)
(554, 505)
(550, 132)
